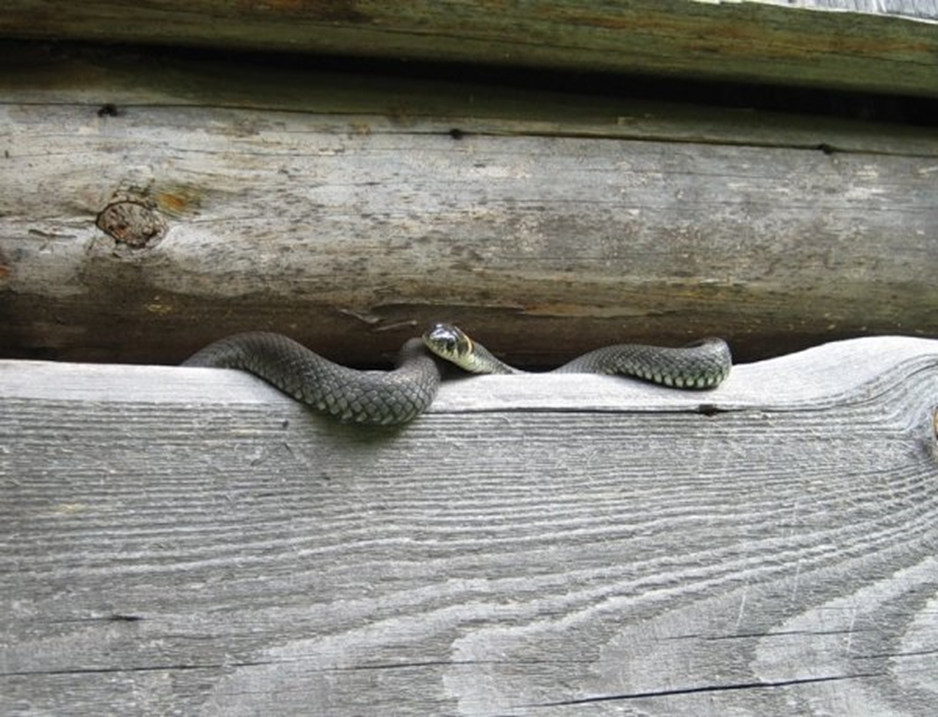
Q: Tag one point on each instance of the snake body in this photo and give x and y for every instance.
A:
(398, 396)
(702, 364)
(372, 397)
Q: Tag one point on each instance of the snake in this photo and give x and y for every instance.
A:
(397, 396)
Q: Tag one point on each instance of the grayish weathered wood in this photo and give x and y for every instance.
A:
(191, 542)
(883, 46)
(322, 205)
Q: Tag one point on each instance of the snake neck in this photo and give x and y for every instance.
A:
(483, 361)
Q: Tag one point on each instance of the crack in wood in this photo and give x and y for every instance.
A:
(706, 688)
(117, 617)
(131, 670)
(763, 635)
(893, 655)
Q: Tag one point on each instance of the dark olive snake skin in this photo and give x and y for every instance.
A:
(398, 396)
(372, 397)
(700, 365)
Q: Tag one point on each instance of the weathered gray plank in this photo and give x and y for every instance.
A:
(563, 223)
(190, 541)
(855, 44)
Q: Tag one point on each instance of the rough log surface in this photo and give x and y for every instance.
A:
(885, 46)
(184, 541)
(149, 208)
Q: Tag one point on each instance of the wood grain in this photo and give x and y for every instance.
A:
(324, 205)
(189, 541)
(887, 46)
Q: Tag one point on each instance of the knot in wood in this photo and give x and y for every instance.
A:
(132, 223)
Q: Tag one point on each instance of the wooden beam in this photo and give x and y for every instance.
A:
(190, 541)
(148, 211)
(846, 44)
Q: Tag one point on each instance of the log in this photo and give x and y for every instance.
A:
(190, 541)
(151, 207)
(889, 46)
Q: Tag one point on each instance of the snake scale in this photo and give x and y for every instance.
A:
(399, 395)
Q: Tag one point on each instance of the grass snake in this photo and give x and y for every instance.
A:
(399, 395)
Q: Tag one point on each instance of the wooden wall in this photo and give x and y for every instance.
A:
(153, 203)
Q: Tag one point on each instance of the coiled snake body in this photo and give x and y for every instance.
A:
(397, 396)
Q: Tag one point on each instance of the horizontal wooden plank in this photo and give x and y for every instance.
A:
(821, 376)
(350, 214)
(886, 46)
(189, 541)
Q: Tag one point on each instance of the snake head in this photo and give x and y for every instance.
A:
(450, 343)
